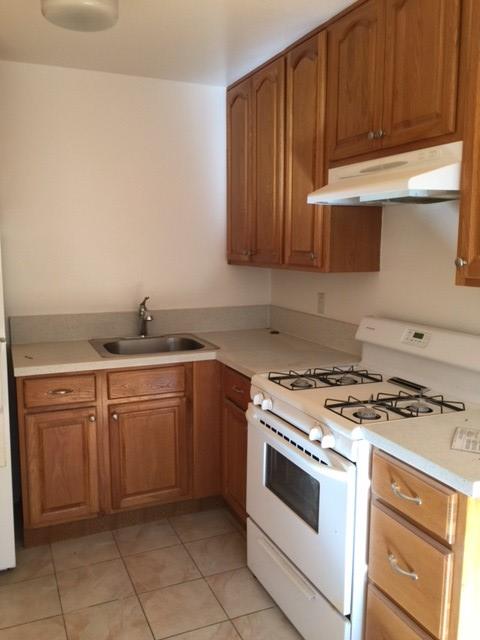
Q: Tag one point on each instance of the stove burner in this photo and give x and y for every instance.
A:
(301, 383)
(419, 407)
(366, 413)
(318, 378)
(346, 379)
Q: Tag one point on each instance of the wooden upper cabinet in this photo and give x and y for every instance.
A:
(267, 163)
(468, 256)
(355, 81)
(238, 167)
(305, 170)
(421, 69)
(149, 453)
(61, 466)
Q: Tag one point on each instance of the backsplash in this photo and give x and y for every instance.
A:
(64, 327)
(332, 333)
(83, 326)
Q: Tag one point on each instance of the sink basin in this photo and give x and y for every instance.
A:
(150, 345)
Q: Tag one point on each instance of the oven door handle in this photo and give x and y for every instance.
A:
(294, 576)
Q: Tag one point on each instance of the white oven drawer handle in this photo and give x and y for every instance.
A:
(396, 491)
(395, 566)
(293, 575)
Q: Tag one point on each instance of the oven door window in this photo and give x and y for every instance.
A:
(293, 486)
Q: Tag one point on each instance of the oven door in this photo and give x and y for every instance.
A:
(303, 498)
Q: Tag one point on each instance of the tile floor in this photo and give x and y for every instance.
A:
(182, 578)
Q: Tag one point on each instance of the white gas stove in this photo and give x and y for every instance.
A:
(309, 466)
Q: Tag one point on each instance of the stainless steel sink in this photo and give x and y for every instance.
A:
(136, 346)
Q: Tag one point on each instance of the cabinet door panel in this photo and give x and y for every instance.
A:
(235, 458)
(268, 95)
(149, 453)
(305, 121)
(238, 163)
(355, 78)
(421, 69)
(61, 451)
(468, 272)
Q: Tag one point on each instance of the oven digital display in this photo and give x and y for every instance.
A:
(293, 486)
(418, 336)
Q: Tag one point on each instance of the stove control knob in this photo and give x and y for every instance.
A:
(258, 399)
(315, 434)
(328, 441)
(267, 404)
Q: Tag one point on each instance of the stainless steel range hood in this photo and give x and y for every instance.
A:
(417, 177)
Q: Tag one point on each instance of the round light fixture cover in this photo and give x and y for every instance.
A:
(81, 15)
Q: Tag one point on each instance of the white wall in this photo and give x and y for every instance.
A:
(416, 281)
(113, 187)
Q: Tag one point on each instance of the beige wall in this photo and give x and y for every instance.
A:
(416, 281)
(111, 188)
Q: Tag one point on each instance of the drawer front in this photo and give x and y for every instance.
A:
(58, 390)
(428, 503)
(386, 622)
(306, 607)
(236, 387)
(146, 382)
(414, 571)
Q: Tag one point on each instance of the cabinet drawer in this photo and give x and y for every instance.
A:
(58, 390)
(236, 387)
(146, 382)
(415, 571)
(428, 503)
(386, 622)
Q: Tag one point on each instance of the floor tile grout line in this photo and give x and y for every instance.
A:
(22, 624)
(137, 596)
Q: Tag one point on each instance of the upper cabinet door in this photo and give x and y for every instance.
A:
(355, 81)
(421, 69)
(238, 161)
(268, 107)
(305, 150)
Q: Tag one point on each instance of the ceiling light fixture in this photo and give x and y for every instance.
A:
(81, 15)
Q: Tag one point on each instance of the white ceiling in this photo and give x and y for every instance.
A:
(206, 41)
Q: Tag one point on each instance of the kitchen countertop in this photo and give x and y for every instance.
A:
(248, 351)
(424, 443)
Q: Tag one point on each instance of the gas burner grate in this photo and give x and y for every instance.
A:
(387, 405)
(318, 378)
(358, 416)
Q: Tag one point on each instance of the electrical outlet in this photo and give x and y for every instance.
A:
(321, 303)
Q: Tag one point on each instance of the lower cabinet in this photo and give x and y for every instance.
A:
(61, 471)
(235, 458)
(149, 453)
(101, 443)
(424, 561)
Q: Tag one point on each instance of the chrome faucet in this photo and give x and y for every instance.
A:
(144, 316)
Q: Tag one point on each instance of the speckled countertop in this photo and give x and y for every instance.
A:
(424, 443)
(248, 351)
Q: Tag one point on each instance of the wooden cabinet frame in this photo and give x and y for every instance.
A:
(197, 405)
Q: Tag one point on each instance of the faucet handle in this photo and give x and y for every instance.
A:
(142, 304)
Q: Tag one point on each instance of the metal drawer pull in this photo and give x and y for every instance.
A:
(394, 564)
(114, 416)
(92, 418)
(60, 392)
(403, 496)
(238, 389)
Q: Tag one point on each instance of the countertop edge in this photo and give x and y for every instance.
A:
(417, 461)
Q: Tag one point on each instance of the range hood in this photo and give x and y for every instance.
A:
(417, 177)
